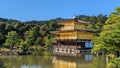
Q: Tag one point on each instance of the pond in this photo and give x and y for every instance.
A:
(47, 59)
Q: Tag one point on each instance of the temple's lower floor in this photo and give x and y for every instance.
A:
(74, 46)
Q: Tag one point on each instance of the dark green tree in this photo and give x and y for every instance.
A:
(12, 39)
(1, 39)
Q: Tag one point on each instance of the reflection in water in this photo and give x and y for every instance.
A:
(24, 66)
(28, 61)
(88, 57)
(82, 61)
(56, 61)
(2, 64)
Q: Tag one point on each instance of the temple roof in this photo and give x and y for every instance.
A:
(62, 31)
(75, 21)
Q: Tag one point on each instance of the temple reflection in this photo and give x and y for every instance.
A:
(75, 61)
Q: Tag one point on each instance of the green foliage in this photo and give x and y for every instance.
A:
(97, 22)
(34, 33)
(109, 38)
(114, 62)
(99, 47)
(25, 45)
(1, 39)
(48, 42)
(1, 36)
(12, 39)
(108, 41)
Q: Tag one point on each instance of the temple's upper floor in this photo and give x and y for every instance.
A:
(74, 25)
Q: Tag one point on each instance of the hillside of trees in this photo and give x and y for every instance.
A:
(30, 35)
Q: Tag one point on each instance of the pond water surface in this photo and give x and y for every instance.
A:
(50, 60)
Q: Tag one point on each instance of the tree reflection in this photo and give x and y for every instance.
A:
(99, 62)
(56, 61)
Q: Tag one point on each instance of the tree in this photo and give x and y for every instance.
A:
(109, 38)
(48, 42)
(25, 45)
(108, 41)
(12, 39)
(1, 38)
(33, 35)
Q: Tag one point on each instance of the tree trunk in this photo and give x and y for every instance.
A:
(117, 54)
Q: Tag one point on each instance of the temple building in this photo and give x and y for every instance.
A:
(73, 36)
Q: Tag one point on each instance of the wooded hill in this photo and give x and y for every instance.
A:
(30, 34)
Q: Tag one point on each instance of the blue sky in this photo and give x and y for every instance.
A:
(25, 10)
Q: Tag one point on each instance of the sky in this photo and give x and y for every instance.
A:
(26, 10)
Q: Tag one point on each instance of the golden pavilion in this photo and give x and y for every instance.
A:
(73, 36)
